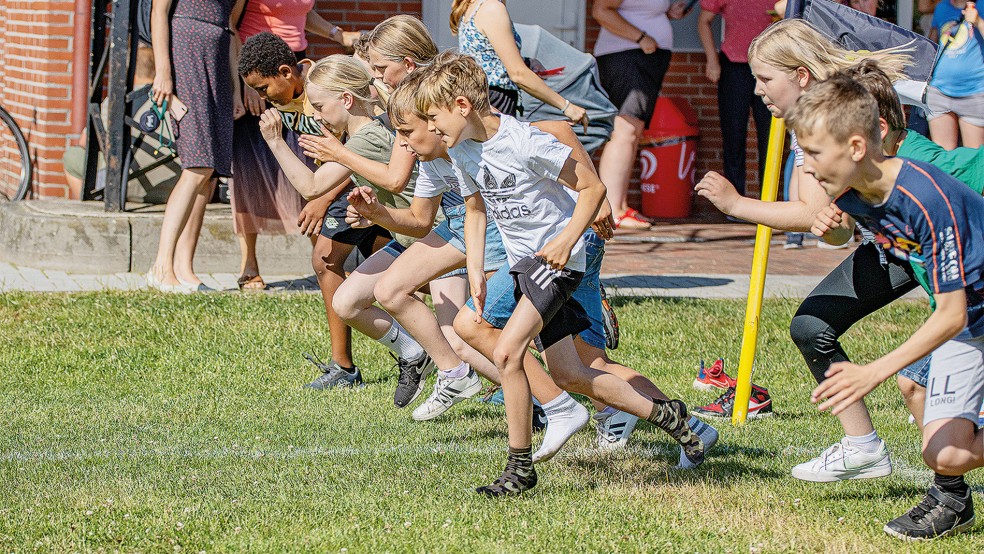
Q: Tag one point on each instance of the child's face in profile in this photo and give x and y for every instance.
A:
(389, 71)
(414, 137)
(832, 162)
(278, 89)
(778, 88)
(449, 123)
(329, 108)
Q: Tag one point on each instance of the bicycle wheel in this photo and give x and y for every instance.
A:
(16, 168)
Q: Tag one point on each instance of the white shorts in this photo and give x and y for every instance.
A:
(956, 380)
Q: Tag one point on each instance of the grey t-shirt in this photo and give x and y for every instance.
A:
(516, 171)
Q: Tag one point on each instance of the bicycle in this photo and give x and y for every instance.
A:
(16, 167)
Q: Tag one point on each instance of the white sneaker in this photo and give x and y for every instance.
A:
(613, 429)
(843, 461)
(707, 434)
(447, 393)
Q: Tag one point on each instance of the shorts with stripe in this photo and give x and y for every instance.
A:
(549, 290)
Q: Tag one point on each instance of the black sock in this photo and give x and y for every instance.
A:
(952, 484)
(346, 369)
(518, 476)
(671, 416)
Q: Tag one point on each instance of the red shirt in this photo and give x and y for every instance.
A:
(284, 18)
(743, 21)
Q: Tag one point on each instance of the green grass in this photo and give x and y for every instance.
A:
(141, 422)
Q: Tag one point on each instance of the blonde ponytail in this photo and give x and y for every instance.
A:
(340, 73)
(793, 43)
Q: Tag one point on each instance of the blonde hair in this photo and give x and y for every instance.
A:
(403, 101)
(453, 75)
(840, 106)
(403, 36)
(793, 43)
(458, 10)
(340, 73)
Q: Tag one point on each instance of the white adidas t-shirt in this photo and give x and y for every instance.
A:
(516, 171)
(438, 177)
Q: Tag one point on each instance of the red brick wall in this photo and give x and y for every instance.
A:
(36, 83)
(356, 15)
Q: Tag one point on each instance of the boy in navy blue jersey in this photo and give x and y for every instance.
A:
(921, 214)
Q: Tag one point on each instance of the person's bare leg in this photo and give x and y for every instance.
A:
(449, 295)
(354, 301)
(914, 396)
(618, 159)
(184, 255)
(944, 130)
(328, 260)
(74, 186)
(972, 136)
(249, 266)
(176, 214)
(597, 358)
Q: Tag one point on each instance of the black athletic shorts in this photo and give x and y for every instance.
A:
(550, 292)
(335, 228)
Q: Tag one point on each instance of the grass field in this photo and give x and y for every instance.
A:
(141, 422)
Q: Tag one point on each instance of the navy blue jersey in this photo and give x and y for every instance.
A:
(933, 221)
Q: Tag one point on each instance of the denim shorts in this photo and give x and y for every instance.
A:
(452, 230)
(394, 248)
(500, 301)
(917, 371)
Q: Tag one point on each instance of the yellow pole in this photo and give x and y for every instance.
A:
(760, 261)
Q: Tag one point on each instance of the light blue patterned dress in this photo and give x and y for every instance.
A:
(471, 41)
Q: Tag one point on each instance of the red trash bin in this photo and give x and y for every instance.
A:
(667, 155)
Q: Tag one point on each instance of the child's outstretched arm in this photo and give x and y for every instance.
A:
(392, 177)
(793, 215)
(415, 221)
(475, 222)
(591, 195)
(308, 183)
(847, 383)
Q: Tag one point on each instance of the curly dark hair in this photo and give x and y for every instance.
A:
(264, 53)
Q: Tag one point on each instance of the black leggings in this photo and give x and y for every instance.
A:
(859, 286)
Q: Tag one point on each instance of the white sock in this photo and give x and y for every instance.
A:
(401, 343)
(866, 443)
(565, 417)
(455, 372)
(707, 433)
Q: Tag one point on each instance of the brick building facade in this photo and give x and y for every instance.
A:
(36, 46)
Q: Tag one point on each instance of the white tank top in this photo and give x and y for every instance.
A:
(646, 15)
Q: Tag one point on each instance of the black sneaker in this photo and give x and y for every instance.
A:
(333, 375)
(413, 376)
(938, 515)
(610, 321)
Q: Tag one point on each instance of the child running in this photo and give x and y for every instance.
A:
(920, 214)
(788, 59)
(521, 174)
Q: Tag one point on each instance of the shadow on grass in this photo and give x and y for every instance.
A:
(663, 282)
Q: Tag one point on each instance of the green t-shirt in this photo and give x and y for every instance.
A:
(965, 164)
(375, 142)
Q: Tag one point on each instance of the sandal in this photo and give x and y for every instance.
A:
(251, 282)
(632, 219)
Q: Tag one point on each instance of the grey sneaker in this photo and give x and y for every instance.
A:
(333, 375)
(447, 393)
(413, 377)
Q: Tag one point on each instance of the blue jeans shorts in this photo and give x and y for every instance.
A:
(452, 230)
(917, 371)
(394, 248)
(500, 301)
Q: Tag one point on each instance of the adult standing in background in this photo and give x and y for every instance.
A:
(743, 21)
(955, 96)
(633, 52)
(485, 32)
(263, 201)
(193, 63)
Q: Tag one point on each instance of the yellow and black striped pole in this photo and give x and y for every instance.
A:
(760, 262)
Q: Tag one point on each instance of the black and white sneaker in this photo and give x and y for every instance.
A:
(413, 377)
(333, 375)
(938, 515)
(447, 393)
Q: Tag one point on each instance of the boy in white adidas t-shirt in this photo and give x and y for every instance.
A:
(521, 173)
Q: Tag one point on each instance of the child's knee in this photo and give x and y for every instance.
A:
(389, 292)
(464, 324)
(507, 359)
(908, 387)
(323, 262)
(344, 305)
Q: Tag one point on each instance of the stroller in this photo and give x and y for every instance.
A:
(578, 82)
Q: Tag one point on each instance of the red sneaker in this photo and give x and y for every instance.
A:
(713, 377)
(760, 405)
